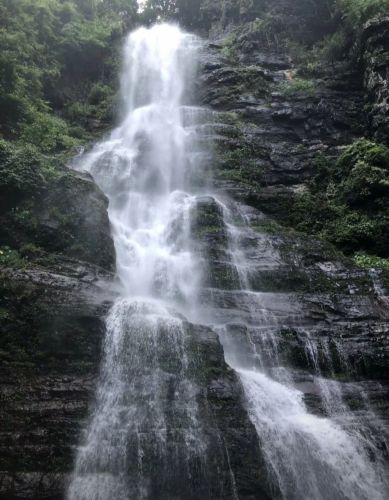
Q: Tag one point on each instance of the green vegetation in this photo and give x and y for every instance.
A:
(9, 257)
(315, 32)
(369, 261)
(356, 12)
(54, 54)
(229, 49)
(343, 37)
(296, 86)
(348, 202)
(237, 160)
(58, 78)
(19, 169)
(45, 206)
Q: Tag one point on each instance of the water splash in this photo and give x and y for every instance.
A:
(311, 457)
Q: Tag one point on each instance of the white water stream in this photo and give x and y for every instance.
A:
(145, 169)
(150, 168)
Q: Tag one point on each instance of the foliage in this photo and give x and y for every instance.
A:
(4, 315)
(229, 50)
(325, 28)
(48, 132)
(201, 14)
(347, 203)
(270, 29)
(370, 261)
(362, 175)
(157, 9)
(20, 170)
(350, 16)
(25, 170)
(357, 12)
(333, 47)
(314, 31)
(53, 53)
(58, 70)
(296, 85)
(9, 257)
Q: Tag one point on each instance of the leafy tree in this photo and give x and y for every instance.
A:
(52, 52)
(159, 9)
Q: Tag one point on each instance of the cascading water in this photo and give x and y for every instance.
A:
(309, 457)
(145, 402)
(147, 430)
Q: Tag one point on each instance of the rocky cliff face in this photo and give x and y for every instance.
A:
(376, 61)
(273, 130)
(52, 322)
(323, 316)
(53, 309)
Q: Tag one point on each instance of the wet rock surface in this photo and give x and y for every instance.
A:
(52, 316)
(53, 328)
(304, 308)
(269, 140)
(308, 307)
(376, 62)
(67, 216)
(51, 343)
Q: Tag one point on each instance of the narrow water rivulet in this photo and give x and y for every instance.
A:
(151, 435)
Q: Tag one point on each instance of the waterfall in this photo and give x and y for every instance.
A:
(146, 430)
(145, 401)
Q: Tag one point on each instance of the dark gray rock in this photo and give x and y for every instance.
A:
(375, 45)
(51, 338)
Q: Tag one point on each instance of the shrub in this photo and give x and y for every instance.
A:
(99, 92)
(370, 261)
(9, 257)
(19, 169)
(230, 48)
(356, 12)
(347, 202)
(30, 250)
(361, 175)
(48, 132)
(334, 47)
(296, 86)
(365, 150)
(355, 230)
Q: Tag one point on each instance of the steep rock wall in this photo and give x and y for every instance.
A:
(54, 304)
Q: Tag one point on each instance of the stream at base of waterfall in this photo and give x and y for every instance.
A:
(155, 168)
